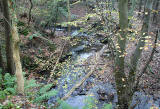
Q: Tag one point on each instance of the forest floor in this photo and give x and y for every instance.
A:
(38, 59)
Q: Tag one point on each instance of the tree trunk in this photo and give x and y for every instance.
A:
(140, 7)
(15, 47)
(8, 37)
(133, 6)
(1, 6)
(141, 43)
(120, 77)
(156, 15)
(1, 61)
(137, 53)
(69, 17)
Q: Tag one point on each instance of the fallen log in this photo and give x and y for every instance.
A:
(95, 60)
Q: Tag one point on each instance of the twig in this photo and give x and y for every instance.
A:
(149, 60)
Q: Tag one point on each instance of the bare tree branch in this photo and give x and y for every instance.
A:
(30, 10)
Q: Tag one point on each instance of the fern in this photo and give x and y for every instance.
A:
(9, 81)
(64, 105)
(9, 85)
(30, 84)
(107, 106)
(2, 95)
(45, 88)
(10, 90)
(45, 95)
(90, 103)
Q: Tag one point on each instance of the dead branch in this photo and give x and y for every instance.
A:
(55, 66)
(30, 10)
(95, 59)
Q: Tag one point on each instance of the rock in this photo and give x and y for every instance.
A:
(106, 90)
(104, 93)
(75, 33)
(143, 101)
(79, 48)
(77, 102)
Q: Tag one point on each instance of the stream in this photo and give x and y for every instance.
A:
(92, 90)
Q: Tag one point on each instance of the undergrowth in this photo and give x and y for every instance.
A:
(36, 93)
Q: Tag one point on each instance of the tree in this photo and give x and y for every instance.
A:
(7, 35)
(1, 6)
(1, 60)
(140, 6)
(13, 43)
(126, 86)
(141, 43)
(15, 47)
(155, 7)
(120, 77)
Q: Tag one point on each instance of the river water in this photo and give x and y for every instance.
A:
(100, 93)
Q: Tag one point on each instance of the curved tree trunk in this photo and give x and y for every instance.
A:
(15, 47)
